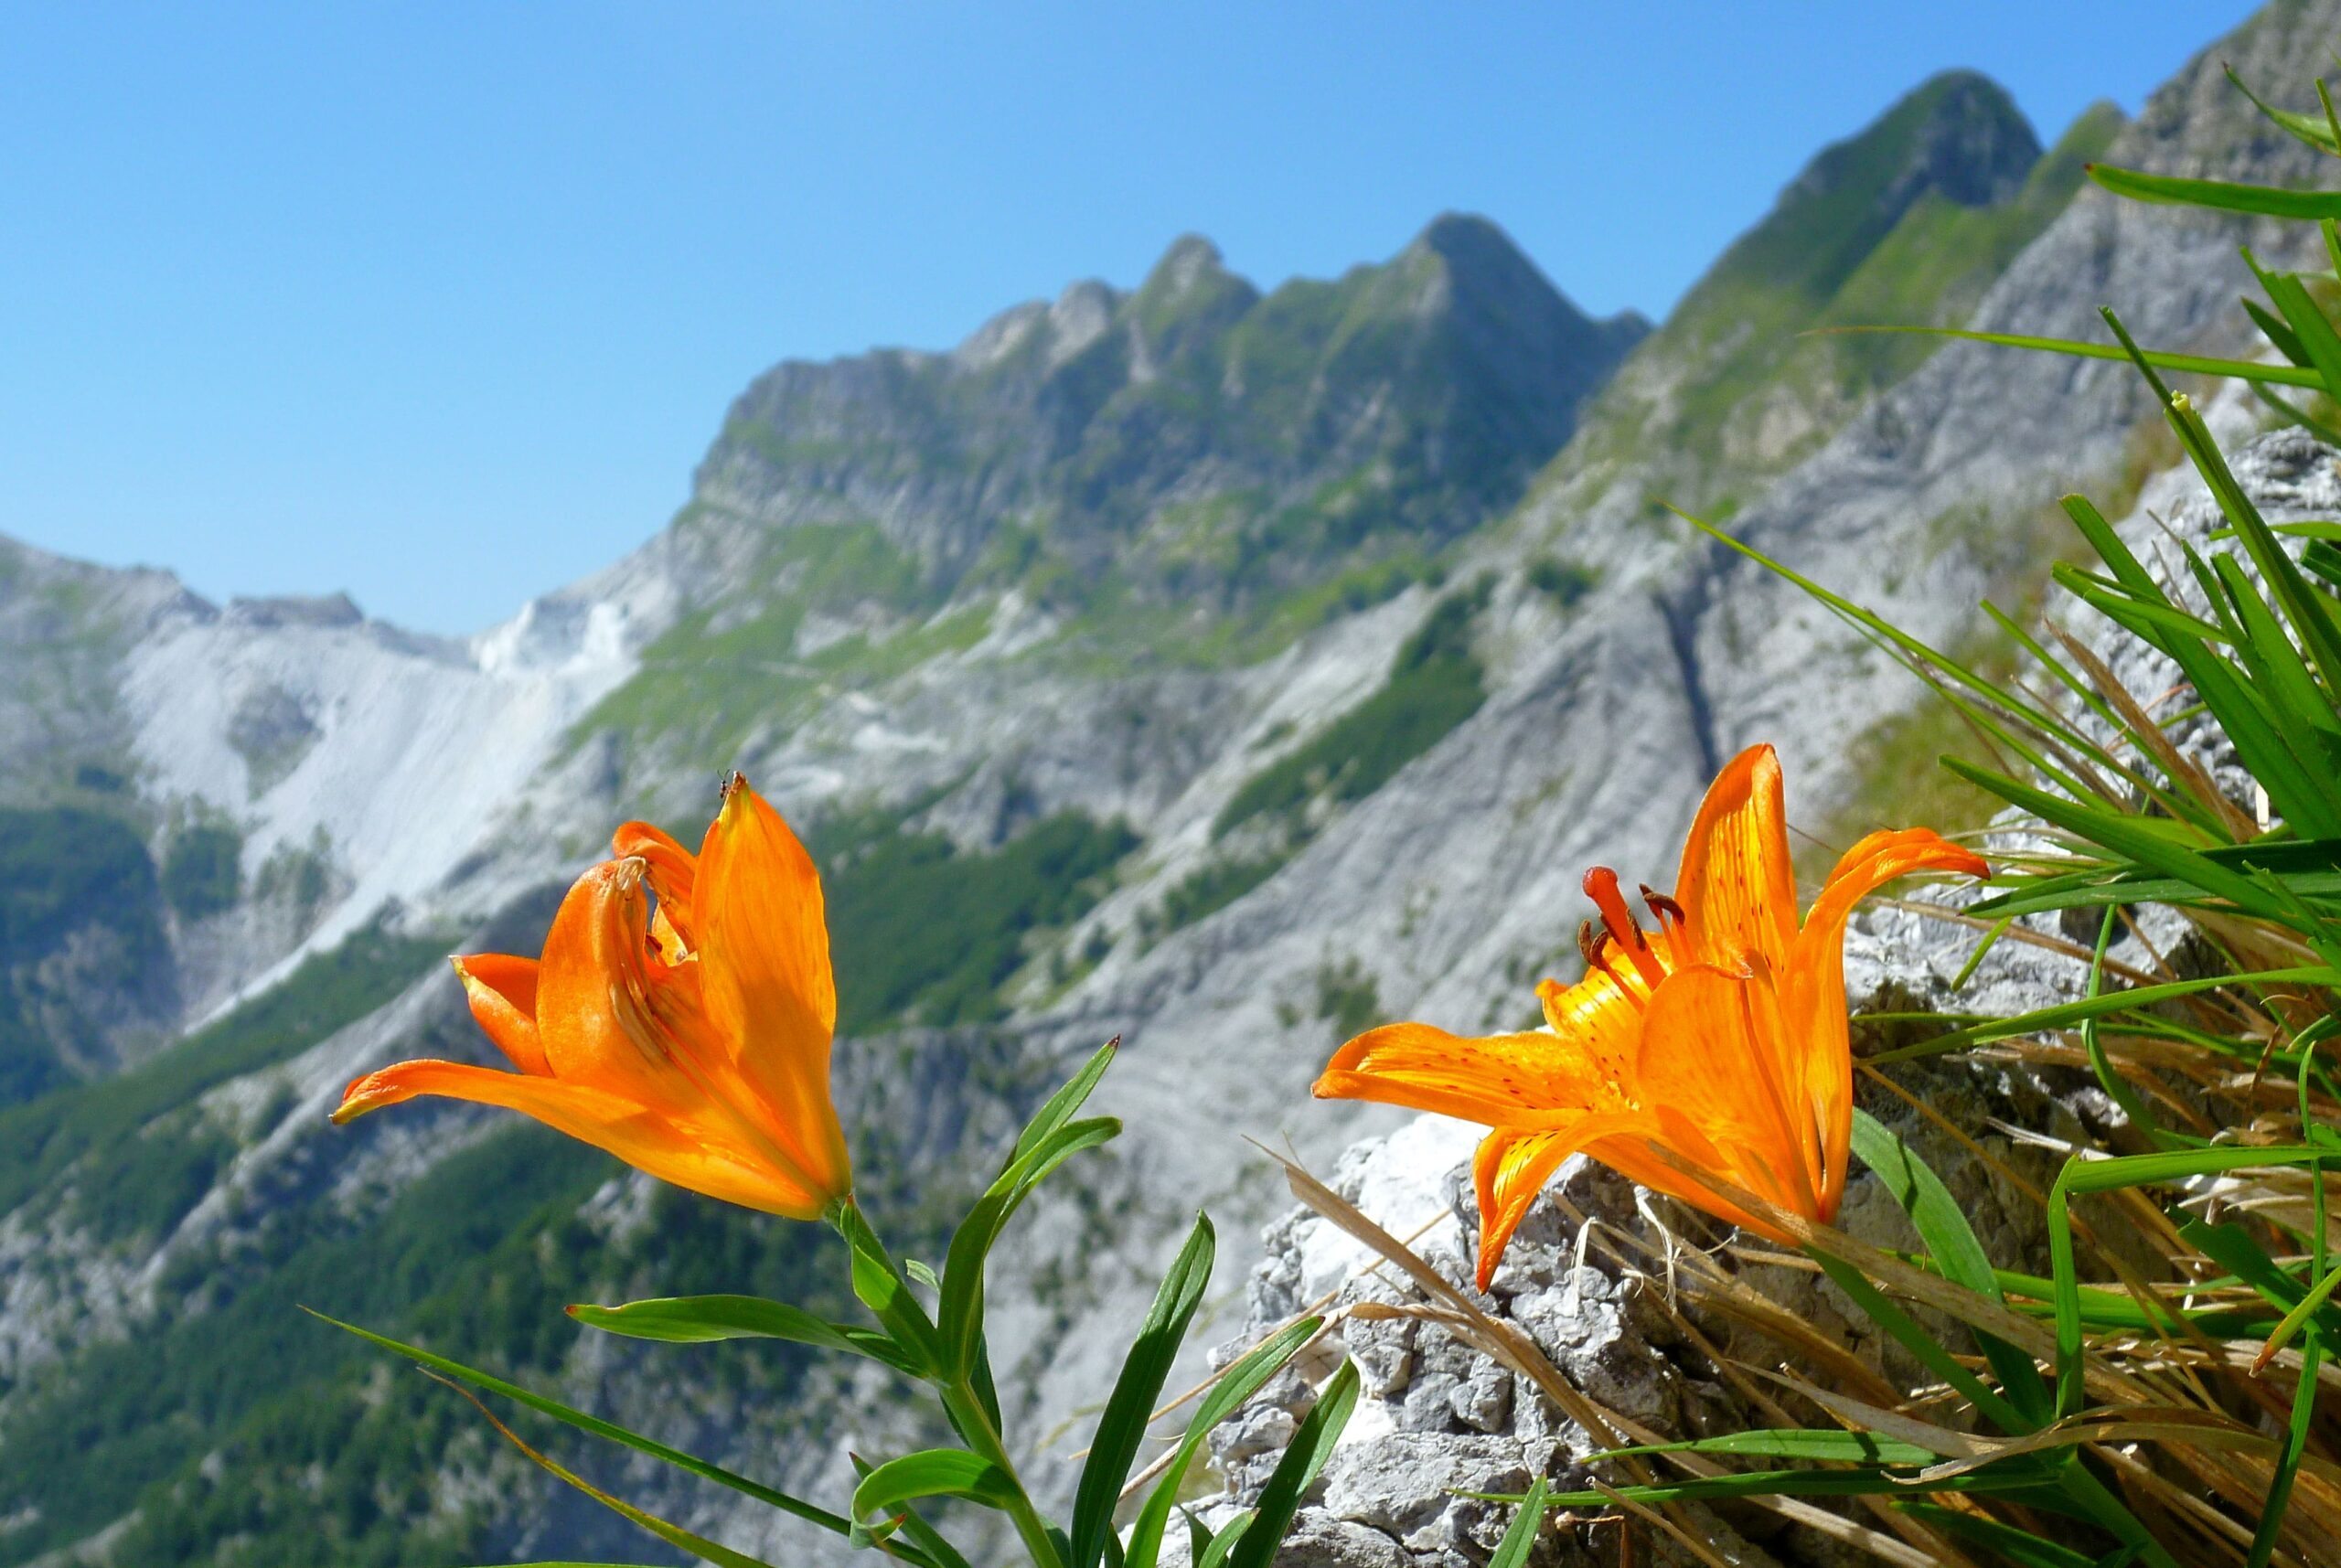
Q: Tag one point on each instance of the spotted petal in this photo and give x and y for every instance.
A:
(1529, 1081)
(1737, 887)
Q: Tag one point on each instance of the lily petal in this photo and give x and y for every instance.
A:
(1603, 1011)
(765, 962)
(1524, 1081)
(676, 1152)
(1511, 1168)
(1711, 1072)
(1737, 887)
(1644, 1161)
(502, 991)
(594, 957)
(1814, 992)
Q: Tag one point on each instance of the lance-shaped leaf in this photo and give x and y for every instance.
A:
(770, 1496)
(1304, 1459)
(698, 1319)
(1123, 1426)
(1236, 1385)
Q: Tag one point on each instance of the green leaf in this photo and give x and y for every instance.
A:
(959, 1313)
(2315, 130)
(1198, 1536)
(2009, 1476)
(1941, 1224)
(882, 1288)
(698, 1546)
(1123, 1426)
(1061, 1106)
(2234, 1250)
(2264, 201)
(2279, 336)
(2311, 621)
(938, 1552)
(2067, 1013)
(1236, 1385)
(2080, 348)
(931, 1473)
(1793, 1443)
(1216, 1550)
(2322, 559)
(2080, 1175)
(1304, 1457)
(769, 1496)
(1520, 1538)
(2296, 1430)
(696, 1319)
(2118, 831)
(1919, 1343)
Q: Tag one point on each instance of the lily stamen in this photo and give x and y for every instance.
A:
(1590, 946)
(1667, 912)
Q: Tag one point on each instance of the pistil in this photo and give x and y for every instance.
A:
(1601, 887)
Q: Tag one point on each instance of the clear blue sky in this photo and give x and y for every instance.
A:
(439, 303)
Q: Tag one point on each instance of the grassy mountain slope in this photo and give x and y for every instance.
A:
(1910, 221)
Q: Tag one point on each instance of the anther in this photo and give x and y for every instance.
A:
(1589, 943)
(1666, 912)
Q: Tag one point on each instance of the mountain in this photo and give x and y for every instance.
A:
(1910, 222)
(1225, 670)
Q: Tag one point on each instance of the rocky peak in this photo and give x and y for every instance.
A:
(1414, 395)
(1192, 261)
(296, 610)
(1958, 134)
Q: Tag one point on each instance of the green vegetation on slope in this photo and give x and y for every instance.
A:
(1936, 262)
(249, 1435)
(103, 1121)
(478, 1253)
(712, 679)
(923, 932)
(63, 871)
(1730, 392)
(201, 873)
(1434, 684)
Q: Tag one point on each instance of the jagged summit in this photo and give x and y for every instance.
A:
(1957, 136)
(1194, 434)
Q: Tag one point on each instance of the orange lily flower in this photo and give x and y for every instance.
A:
(1716, 1041)
(691, 1039)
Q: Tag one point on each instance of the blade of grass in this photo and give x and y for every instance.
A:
(2260, 200)
(835, 1523)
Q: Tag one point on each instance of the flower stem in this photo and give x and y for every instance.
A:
(974, 1422)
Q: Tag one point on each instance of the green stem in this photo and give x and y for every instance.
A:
(974, 1422)
(883, 1289)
